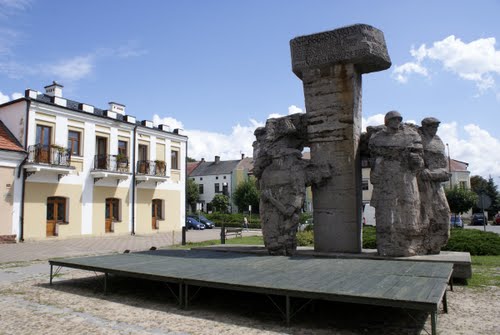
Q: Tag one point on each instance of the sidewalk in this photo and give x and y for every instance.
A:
(54, 248)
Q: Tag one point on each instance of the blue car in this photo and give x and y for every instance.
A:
(203, 220)
(456, 221)
(192, 223)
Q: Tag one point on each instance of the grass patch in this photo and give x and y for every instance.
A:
(485, 271)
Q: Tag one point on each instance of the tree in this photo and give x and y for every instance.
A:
(190, 160)
(488, 187)
(247, 194)
(460, 199)
(220, 203)
(193, 194)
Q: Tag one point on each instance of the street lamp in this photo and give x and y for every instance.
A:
(449, 163)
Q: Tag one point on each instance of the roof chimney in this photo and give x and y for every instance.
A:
(217, 159)
(242, 156)
(117, 108)
(203, 159)
(54, 89)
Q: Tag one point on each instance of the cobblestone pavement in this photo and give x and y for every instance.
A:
(56, 248)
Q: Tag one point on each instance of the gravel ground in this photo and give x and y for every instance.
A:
(75, 305)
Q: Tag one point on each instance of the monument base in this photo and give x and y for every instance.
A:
(462, 267)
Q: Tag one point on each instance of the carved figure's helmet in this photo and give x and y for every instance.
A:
(391, 115)
(429, 121)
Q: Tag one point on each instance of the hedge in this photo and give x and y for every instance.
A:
(234, 220)
(476, 242)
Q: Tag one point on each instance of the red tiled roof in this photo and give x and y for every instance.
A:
(7, 140)
(458, 165)
(191, 166)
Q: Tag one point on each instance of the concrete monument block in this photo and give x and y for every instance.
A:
(330, 65)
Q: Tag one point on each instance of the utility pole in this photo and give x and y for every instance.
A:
(449, 164)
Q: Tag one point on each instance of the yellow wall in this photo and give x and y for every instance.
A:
(99, 209)
(6, 200)
(175, 175)
(171, 210)
(35, 210)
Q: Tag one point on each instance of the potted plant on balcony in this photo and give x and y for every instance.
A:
(160, 166)
(121, 161)
(58, 148)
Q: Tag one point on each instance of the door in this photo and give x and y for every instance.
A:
(43, 136)
(111, 215)
(101, 150)
(156, 213)
(56, 213)
(143, 159)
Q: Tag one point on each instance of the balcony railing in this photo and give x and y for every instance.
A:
(152, 168)
(111, 163)
(49, 154)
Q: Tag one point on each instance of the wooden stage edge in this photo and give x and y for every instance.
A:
(409, 284)
(462, 264)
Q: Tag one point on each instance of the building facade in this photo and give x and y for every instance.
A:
(93, 172)
(219, 177)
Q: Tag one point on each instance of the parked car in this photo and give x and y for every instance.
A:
(203, 220)
(192, 223)
(478, 219)
(456, 221)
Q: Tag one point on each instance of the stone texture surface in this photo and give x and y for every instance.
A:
(330, 65)
(407, 168)
(434, 206)
(283, 176)
(360, 44)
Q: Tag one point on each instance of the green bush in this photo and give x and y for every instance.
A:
(305, 238)
(369, 237)
(477, 242)
(234, 220)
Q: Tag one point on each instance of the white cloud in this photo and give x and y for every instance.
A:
(169, 121)
(5, 98)
(9, 7)
(479, 148)
(477, 61)
(402, 72)
(71, 69)
(374, 120)
(291, 110)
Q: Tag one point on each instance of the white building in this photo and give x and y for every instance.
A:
(91, 171)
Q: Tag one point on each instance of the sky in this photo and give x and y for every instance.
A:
(219, 69)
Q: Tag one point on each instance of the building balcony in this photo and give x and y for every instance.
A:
(151, 171)
(49, 155)
(110, 166)
(48, 158)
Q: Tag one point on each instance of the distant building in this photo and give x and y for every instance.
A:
(12, 154)
(91, 171)
(219, 177)
(460, 176)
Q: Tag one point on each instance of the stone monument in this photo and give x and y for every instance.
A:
(283, 176)
(330, 65)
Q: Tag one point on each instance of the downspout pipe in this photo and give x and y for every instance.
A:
(132, 232)
(20, 171)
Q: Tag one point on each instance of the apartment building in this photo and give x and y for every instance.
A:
(92, 171)
(219, 177)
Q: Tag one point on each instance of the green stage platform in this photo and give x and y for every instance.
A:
(412, 285)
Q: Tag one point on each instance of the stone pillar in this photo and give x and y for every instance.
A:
(330, 65)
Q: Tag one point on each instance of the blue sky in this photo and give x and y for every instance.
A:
(218, 69)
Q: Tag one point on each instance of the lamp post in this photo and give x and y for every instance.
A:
(449, 163)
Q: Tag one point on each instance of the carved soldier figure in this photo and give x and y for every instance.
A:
(396, 159)
(434, 206)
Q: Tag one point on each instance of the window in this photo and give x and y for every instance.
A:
(462, 184)
(43, 134)
(217, 177)
(201, 178)
(200, 188)
(174, 155)
(225, 189)
(157, 209)
(74, 142)
(143, 152)
(224, 177)
(113, 209)
(217, 188)
(56, 209)
(123, 148)
(364, 185)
